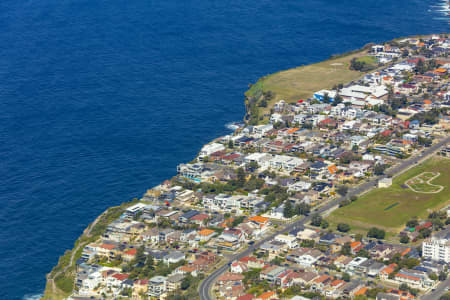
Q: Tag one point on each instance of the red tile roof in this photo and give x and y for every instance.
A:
(246, 297)
(120, 276)
(200, 217)
(131, 252)
(108, 246)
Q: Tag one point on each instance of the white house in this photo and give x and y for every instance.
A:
(290, 241)
(90, 283)
(210, 149)
(261, 159)
(157, 286)
(288, 163)
(299, 186)
(261, 130)
(276, 118)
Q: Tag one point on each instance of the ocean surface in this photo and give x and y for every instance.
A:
(100, 100)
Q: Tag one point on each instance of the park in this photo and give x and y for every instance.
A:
(416, 192)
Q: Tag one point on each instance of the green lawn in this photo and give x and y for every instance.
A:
(370, 60)
(390, 208)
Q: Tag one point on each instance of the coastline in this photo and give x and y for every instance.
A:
(52, 292)
(59, 282)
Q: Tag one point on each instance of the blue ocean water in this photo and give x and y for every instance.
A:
(100, 100)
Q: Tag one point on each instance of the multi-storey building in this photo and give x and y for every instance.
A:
(437, 247)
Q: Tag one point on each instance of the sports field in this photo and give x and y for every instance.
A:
(390, 208)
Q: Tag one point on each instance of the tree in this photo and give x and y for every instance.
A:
(412, 223)
(253, 165)
(433, 276)
(230, 144)
(424, 141)
(364, 253)
(379, 169)
(326, 98)
(346, 277)
(376, 233)
(343, 227)
(302, 209)
(270, 197)
(346, 249)
(403, 287)
(324, 224)
(404, 239)
(288, 211)
(337, 99)
(424, 232)
(437, 224)
(237, 221)
(442, 276)
(372, 293)
(186, 283)
(358, 237)
(240, 177)
(263, 103)
(446, 296)
(251, 275)
(342, 190)
(307, 244)
(420, 67)
(316, 220)
(277, 261)
(150, 262)
(140, 256)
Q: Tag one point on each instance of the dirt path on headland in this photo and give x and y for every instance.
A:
(87, 232)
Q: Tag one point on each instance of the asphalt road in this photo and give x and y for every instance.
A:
(207, 284)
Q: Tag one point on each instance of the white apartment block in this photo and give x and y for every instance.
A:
(437, 247)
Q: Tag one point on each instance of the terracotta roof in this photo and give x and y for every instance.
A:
(120, 276)
(355, 244)
(333, 169)
(248, 258)
(200, 217)
(259, 219)
(267, 295)
(230, 277)
(361, 291)
(231, 156)
(407, 250)
(389, 269)
(108, 246)
(206, 232)
(187, 269)
(321, 278)
(407, 276)
(246, 297)
(131, 252)
(141, 282)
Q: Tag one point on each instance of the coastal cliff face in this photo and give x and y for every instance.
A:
(60, 281)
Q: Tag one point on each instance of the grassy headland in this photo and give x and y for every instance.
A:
(299, 83)
(60, 281)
